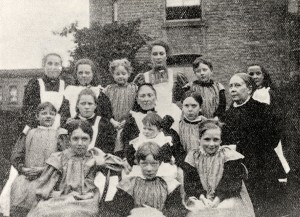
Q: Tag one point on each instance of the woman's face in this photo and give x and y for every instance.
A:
(79, 142)
(84, 74)
(256, 73)
(158, 56)
(149, 167)
(203, 72)
(210, 141)
(191, 108)
(146, 98)
(238, 90)
(52, 66)
(86, 106)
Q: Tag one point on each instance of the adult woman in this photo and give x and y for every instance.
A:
(250, 126)
(84, 72)
(48, 88)
(104, 132)
(162, 80)
(145, 102)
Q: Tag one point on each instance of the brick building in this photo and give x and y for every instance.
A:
(231, 33)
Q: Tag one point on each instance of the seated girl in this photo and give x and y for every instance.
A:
(147, 191)
(213, 176)
(29, 156)
(171, 149)
(104, 133)
(66, 188)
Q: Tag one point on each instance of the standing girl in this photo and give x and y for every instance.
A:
(29, 156)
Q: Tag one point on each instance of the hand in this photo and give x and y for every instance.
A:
(116, 124)
(127, 167)
(207, 203)
(32, 172)
(216, 202)
(87, 196)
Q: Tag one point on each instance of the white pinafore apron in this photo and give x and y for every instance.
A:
(54, 97)
(95, 132)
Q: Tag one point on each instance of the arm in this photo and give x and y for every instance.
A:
(130, 132)
(177, 149)
(64, 112)
(18, 153)
(192, 184)
(106, 136)
(231, 183)
(104, 106)
(178, 87)
(174, 206)
(222, 104)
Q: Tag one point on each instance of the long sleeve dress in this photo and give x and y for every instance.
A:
(42, 90)
(66, 179)
(219, 175)
(160, 193)
(253, 130)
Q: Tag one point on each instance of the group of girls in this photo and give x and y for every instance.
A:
(128, 149)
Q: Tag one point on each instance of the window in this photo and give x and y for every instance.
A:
(1, 95)
(115, 11)
(183, 9)
(13, 94)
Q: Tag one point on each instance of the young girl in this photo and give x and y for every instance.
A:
(189, 125)
(213, 176)
(213, 93)
(29, 156)
(104, 133)
(49, 88)
(121, 95)
(66, 188)
(148, 191)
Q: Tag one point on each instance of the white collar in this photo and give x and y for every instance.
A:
(239, 105)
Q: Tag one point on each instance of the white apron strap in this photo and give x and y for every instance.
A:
(95, 132)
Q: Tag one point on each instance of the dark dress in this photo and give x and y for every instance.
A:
(106, 134)
(252, 128)
(160, 193)
(32, 99)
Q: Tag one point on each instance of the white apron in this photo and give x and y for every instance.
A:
(54, 97)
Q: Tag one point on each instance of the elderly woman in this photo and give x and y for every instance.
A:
(162, 80)
(85, 78)
(250, 126)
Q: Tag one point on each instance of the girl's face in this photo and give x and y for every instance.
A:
(238, 90)
(84, 74)
(210, 141)
(52, 66)
(79, 142)
(158, 56)
(149, 167)
(203, 72)
(191, 108)
(256, 73)
(46, 117)
(146, 98)
(86, 106)
(150, 131)
(121, 75)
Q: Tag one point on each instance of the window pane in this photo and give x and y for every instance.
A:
(177, 3)
(13, 94)
(1, 95)
(186, 12)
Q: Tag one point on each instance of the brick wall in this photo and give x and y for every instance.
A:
(233, 33)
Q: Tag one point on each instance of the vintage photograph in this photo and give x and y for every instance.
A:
(150, 108)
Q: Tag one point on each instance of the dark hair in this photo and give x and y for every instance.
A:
(44, 60)
(136, 106)
(153, 119)
(208, 125)
(199, 60)
(89, 62)
(267, 81)
(86, 91)
(148, 148)
(75, 124)
(120, 62)
(248, 81)
(160, 43)
(44, 105)
(195, 95)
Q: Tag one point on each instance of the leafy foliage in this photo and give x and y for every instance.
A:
(106, 43)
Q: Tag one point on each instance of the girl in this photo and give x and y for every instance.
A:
(121, 95)
(189, 125)
(66, 188)
(250, 125)
(85, 78)
(104, 133)
(213, 93)
(162, 80)
(147, 190)
(152, 131)
(213, 176)
(49, 88)
(29, 156)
